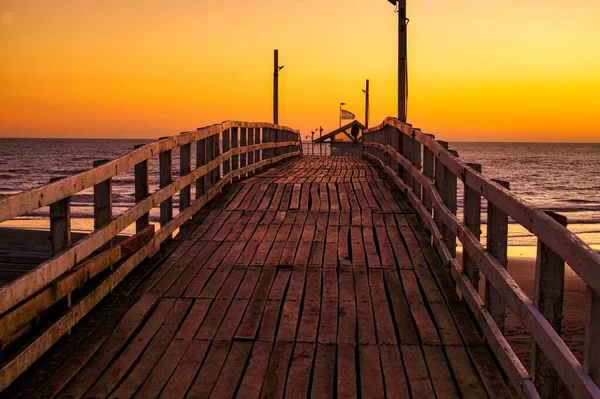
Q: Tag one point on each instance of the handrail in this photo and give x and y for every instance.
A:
(444, 226)
(235, 148)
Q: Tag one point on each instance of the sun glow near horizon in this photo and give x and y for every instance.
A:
(477, 70)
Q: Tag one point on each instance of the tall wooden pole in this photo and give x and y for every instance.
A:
(367, 105)
(402, 65)
(276, 88)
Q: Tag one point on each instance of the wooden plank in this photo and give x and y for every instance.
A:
(298, 380)
(323, 381)
(309, 322)
(440, 374)
(364, 309)
(153, 353)
(249, 325)
(371, 381)
(288, 322)
(275, 379)
(346, 371)
(329, 308)
(383, 318)
(186, 370)
(210, 370)
(417, 374)
(394, 376)
(233, 368)
(176, 351)
(111, 347)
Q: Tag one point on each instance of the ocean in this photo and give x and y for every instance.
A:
(563, 178)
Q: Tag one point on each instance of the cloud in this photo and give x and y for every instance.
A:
(8, 19)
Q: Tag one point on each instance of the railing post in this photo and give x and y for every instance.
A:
(472, 218)
(102, 203)
(166, 169)
(201, 156)
(235, 159)
(548, 297)
(226, 146)
(185, 167)
(216, 173)
(60, 223)
(450, 199)
(141, 191)
(257, 140)
(250, 142)
(407, 153)
(428, 171)
(591, 352)
(243, 144)
(497, 243)
(440, 175)
(387, 140)
(417, 162)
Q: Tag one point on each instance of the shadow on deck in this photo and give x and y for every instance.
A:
(314, 277)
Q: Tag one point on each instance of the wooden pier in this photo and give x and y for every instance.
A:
(291, 276)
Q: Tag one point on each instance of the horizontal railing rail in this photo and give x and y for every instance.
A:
(224, 152)
(428, 171)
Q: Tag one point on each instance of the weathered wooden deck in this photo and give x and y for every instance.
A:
(311, 278)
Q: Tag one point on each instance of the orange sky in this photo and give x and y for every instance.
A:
(479, 70)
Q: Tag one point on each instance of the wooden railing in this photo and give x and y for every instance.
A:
(428, 171)
(226, 151)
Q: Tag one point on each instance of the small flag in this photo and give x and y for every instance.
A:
(347, 114)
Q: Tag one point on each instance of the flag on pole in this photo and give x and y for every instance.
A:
(347, 114)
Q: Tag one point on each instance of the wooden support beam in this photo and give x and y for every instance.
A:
(185, 167)
(235, 159)
(141, 191)
(166, 178)
(215, 154)
(548, 297)
(450, 199)
(250, 142)
(428, 171)
(591, 353)
(243, 143)
(472, 218)
(201, 157)
(417, 160)
(102, 202)
(226, 146)
(497, 246)
(439, 182)
(257, 140)
(60, 224)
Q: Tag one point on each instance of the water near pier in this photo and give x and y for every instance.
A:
(564, 178)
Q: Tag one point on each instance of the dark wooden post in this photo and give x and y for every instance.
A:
(226, 147)
(185, 167)
(450, 199)
(497, 244)
(386, 134)
(141, 191)
(60, 223)
(257, 140)
(591, 351)
(249, 143)
(417, 162)
(201, 154)
(243, 144)
(235, 159)
(102, 203)
(216, 154)
(440, 175)
(166, 169)
(548, 297)
(428, 170)
(407, 152)
(394, 140)
(472, 218)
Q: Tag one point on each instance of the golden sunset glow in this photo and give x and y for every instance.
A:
(478, 70)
